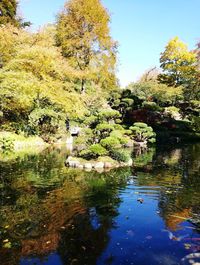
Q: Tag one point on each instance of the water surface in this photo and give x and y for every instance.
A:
(147, 215)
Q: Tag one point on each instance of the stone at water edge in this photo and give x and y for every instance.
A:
(130, 162)
(99, 165)
(74, 163)
(108, 165)
(88, 166)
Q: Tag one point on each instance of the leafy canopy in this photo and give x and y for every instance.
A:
(84, 36)
(178, 63)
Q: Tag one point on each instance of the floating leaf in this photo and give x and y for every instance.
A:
(7, 245)
(187, 246)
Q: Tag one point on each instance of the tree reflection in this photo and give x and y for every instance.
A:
(48, 210)
(44, 218)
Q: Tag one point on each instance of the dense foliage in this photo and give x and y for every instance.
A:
(67, 73)
(8, 14)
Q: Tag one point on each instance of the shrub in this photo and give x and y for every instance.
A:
(85, 137)
(97, 150)
(6, 143)
(87, 154)
(110, 142)
(118, 127)
(91, 121)
(173, 111)
(120, 155)
(108, 115)
(196, 123)
(120, 136)
(142, 132)
(149, 105)
(104, 129)
(45, 121)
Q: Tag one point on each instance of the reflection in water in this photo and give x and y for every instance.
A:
(52, 215)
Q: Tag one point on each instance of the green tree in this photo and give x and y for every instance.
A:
(84, 35)
(141, 132)
(178, 64)
(8, 14)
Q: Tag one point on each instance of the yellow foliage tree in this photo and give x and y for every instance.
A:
(178, 64)
(84, 35)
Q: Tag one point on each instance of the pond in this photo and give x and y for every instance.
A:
(147, 215)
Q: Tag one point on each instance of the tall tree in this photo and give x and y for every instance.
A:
(8, 12)
(178, 64)
(84, 35)
(198, 54)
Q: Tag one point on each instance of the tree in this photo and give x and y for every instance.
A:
(141, 132)
(150, 75)
(198, 54)
(84, 36)
(8, 14)
(12, 39)
(178, 64)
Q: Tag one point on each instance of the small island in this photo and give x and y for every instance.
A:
(104, 142)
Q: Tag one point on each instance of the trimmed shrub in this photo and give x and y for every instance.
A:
(104, 129)
(108, 115)
(110, 142)
(142, 132)
(86, 154)
(91, 121)
(120, 155)
(150, 105)
(97, 150)
(6, 143)
(120, 136)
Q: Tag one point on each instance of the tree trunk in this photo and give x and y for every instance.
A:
(83, 86)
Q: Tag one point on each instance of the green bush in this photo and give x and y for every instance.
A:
(120, 136)
(104, 129)
(110, 142)
(108, 115)
(85, 137)
(91, 121)
(6, 143)
(141, 132)
(97, 150)
(86, 154)
(196, 123)
(149, 105)
(45, 121)
(118, 127)
(120, 155)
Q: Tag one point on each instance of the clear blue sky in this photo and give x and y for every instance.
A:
(141, 27)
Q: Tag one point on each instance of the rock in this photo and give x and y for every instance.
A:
(74, 163)
(88, 166)
(108, 165)
(99, 165)
(130, 162)
(71, 162)
(100, 170)
(69, 158)
(80, 166)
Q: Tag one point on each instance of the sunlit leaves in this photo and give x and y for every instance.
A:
(178, 63)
